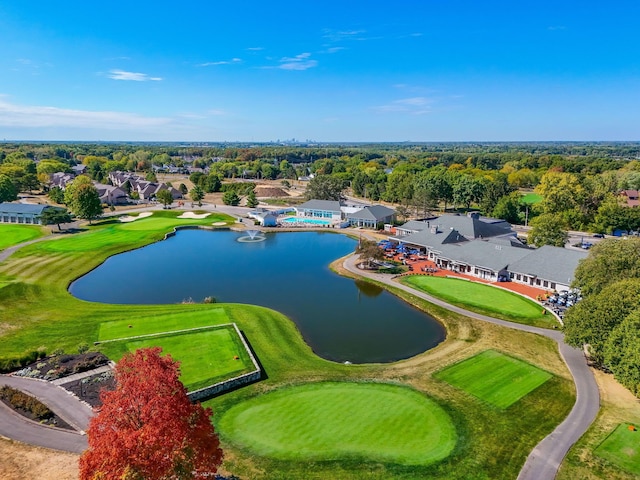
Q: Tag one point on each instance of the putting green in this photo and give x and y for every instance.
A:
(622, 448)
(331, 421)
(15, 234)
(481, 298)
(494, 377)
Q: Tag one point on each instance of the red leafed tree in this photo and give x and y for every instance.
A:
(147, 428)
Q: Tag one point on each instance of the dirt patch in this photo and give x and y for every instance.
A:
(24, 462)
(270, 192)
(612, 392)
(58, 366)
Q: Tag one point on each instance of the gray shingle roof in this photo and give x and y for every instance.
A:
(22, 208)
(372, 212)
(484, 254)
(326, 205)
(556, 264)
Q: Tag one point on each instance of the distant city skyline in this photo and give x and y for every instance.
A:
(407, 71)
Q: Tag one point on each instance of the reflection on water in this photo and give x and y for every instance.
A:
(368, 289)
(341, 319)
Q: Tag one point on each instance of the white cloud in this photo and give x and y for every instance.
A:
(222, 62)
(132, 76)
(299, 62)
(412, 105)
(12, 115)
(340, 35)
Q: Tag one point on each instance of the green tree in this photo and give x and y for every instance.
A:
(591, 321)
(252, 200)
(369, 250)
(547, 229)
(609, 261)
(183, 189)
(467, 189)
(508, 208)
(230, 198)
(622, 352)
(325, 187)
(165, 198)
(8, 191)
(151, 177)
(55, 216)
(56, 194)
(83, 199)
(197, 194)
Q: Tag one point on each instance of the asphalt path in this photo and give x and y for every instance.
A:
(66, 406)
(545, 459)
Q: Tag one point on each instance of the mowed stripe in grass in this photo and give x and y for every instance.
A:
(494, 377)
(481, 298)
(332, 421)
(169, 322)
(15, 234)
(205, 356)
(622, 448)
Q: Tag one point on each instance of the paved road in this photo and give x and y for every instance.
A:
(545, 459)
(65, 405)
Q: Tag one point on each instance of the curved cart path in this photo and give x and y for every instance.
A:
(66, 406)
(545, 459)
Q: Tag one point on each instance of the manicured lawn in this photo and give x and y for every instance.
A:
(161, 323)
(482, 298)
(36, 311)
(205, 356)
(14, 234)
(531, 198)
(495, 378)
(330, 421)
(622, 448)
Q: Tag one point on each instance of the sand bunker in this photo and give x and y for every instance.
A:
(218, 224)
(129, 218)
(194, 215)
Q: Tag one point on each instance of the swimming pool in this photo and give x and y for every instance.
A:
(313, 221)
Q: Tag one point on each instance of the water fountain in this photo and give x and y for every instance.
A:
(252, 236)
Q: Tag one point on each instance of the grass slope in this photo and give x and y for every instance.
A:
(329, 421)
(531, 198)
(622, 448)
(495, 378)
(481, 298)
(14, 234)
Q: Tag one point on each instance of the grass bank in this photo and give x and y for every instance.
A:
(14, 234)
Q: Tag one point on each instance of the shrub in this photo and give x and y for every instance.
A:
(21, 401)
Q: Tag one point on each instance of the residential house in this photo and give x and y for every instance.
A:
(630, 197)
(111, 195)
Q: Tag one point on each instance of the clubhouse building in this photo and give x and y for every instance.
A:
(21, 213)
(489, 249)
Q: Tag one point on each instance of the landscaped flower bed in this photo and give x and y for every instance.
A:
(30, 407)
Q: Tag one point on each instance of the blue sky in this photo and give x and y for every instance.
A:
(430, 70)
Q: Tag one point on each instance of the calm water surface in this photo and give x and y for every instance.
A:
(341, 319)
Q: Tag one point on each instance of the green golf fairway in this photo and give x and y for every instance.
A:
(481, 298)
(331, 421)
(205, 356)
(15, 234)
(495, 378)
(531, 198)
(622, 448)
(170, 322)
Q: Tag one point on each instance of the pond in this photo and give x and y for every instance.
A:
(341, 319)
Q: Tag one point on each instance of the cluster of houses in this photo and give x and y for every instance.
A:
(123, 185)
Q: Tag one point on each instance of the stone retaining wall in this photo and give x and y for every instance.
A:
(232, 383)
